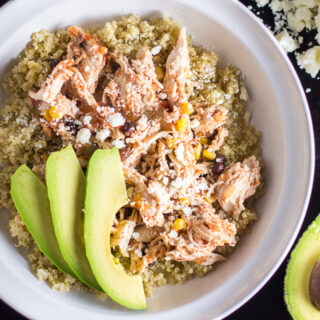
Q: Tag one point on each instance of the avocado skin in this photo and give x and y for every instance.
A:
(105, 195)
(296, 284)
(30, 197)
(66, 185)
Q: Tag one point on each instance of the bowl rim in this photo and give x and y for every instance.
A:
(311, 172)
(13, 5)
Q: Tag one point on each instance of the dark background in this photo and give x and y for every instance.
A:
(268, 303)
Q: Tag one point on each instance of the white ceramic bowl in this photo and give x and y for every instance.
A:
(280, 111)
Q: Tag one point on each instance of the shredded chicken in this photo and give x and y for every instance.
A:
(164, 167)
(137, 151)
(210, 119)
(177, 69)
(81, 87)
(218, 140)
(122, 235)
(53, 85)
(238, 182)
(143, 129)
(156, 250)
(145, 234)
(210, 260)
(134, 87)
(202, 236)
(153, 198)
(134, 177)
(154, 203)
(89, 56)
(65, 106)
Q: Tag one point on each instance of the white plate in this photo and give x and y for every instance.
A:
(280, 111)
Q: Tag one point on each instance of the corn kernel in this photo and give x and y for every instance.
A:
(159, 73)
(54, 114)
(138, 202)
(183, 123)
(115, 260)
(179, 224)
(204, 141)
(185, 200)
(46, 115)
(170, 142)
(197, 151)
(209, 154)
(209, 199)
(187, 108)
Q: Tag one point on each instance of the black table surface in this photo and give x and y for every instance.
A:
(268, 303)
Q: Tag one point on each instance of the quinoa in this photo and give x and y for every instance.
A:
(22, 140)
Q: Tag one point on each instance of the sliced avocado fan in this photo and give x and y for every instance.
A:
(66, 185)
(105, 195)
(296, 284)
(30, 197)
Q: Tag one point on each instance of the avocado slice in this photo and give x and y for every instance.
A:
(105, 195)
(66, 185)
(30, 197)
(296, 285)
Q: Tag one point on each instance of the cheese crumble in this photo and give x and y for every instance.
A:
(116, 120)
(86, 120)
(118, 144)
(83, 136)
(156, 50)
(179, 152)
(103, 135)
(292, 22)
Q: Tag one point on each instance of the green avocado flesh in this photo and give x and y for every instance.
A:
(105, 195)
(66, 185)
(30, 197)
(296, 285)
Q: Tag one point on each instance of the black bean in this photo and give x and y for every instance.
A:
(53, 63)
(217, 167)
(128, 128)
(215, 132)
(83, 45)
(220, 158)
(219, 164)
(72, 127)
(152, 264)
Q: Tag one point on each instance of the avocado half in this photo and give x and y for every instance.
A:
(296, 284)
(30, 197)
(105, 195)
(66, 186)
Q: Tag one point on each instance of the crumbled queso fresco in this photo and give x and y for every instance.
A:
(103, 134)
(116, 120)
(291, 19)
(83, 136)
